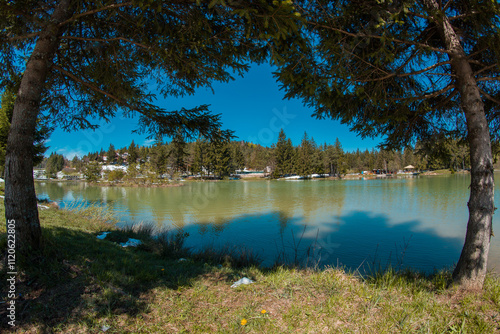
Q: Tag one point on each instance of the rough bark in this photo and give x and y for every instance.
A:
(20, 197)
(472, 266)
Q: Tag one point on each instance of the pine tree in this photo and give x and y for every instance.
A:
(305, 153)
(284, 154)
(92, 172)
(55, 164)
(405, 70)
(132, 153)
(237, 157)
(111, 154)
(223, 164)
(158, 158)
(337, 164)
(201, 157)
(42, 133)
(90, 59)
(178, 153)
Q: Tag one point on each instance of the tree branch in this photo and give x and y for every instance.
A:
(106, 40)
(485, 69)
(463, 15)
(97, 10)
(363, 35)
(488, 79)
(427, 96)
(17, 38)
(411, 73)
(476, 53)
(92, 87)
(489, 97)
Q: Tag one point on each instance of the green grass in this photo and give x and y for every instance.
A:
(78, 284)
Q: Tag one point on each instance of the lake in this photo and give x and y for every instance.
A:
(415, 222)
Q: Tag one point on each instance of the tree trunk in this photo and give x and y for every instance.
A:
(20, 197)
(472, 265)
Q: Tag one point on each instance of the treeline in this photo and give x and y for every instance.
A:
(282, 158)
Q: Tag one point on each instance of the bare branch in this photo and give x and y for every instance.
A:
(488, 79)
(442, 74)
(463, 16)
(485, 69)
(476, 53)
(489, 97)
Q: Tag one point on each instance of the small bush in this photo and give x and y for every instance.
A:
(228, 256)
(170, 244)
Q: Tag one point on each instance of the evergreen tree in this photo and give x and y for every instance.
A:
(158, 158)
(305, 153)
(405, 70)
(178, 153)
(90, 59)
(221, 157)
(132, 153)
(77, 163)
(316, 159)
(237, 157)
(132, 171)
(55, 164)
(42, 133)
(201, 157)
(284, 154)
(143, 154)
(111, 154)
(92, 171)
(336, 159)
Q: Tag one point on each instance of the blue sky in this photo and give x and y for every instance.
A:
(252, 106)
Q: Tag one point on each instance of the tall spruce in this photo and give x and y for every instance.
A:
(284, 154)
(336, 159)
(132, 153)
(55, 164)
(405, 70)
(237, 157)
(158, 158)
(178, 152)
(201, 157)
(111, 154)
(220, 158)
(305, 153)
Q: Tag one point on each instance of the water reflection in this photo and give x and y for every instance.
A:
(347, 222)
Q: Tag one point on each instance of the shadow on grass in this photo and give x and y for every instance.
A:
(79, 278)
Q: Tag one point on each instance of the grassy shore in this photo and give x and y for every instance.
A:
(80, 284)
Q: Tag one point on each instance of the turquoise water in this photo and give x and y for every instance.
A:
(409, 222)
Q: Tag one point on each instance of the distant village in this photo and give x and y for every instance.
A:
(180, 160)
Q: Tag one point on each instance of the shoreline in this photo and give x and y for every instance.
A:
(245, 177)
